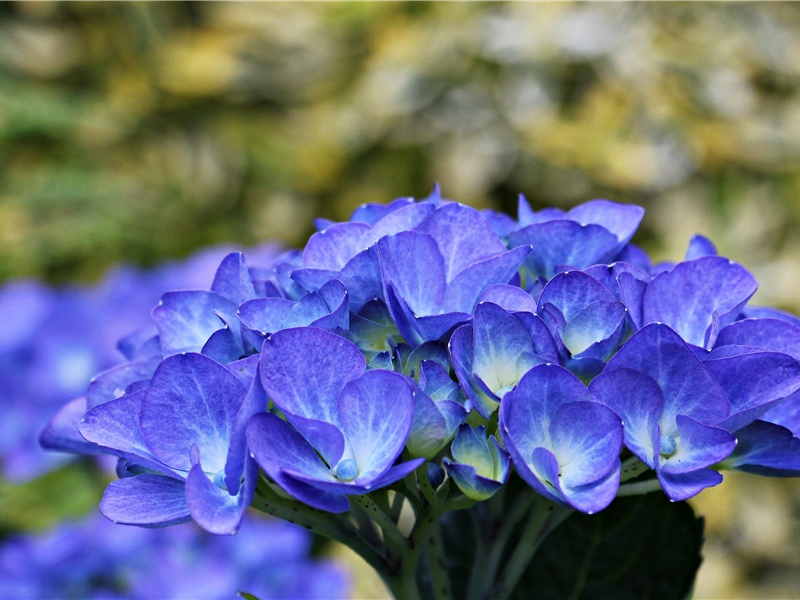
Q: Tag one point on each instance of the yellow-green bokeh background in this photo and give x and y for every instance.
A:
(138, 132)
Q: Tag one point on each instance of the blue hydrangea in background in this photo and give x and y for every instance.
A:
(96, 559)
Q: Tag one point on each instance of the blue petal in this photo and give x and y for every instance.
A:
(596, 323)
(609, 276)
(418, 330)
(699, 446)
(435, 327)
(595, 496)
(191, 401)
(471, 447)
(431, 352)
(114, 425)
(543, 464)
(429, 431)
(769, 334)
(509, 297)
(435, 380)
(767, 312)
(526, 415)
(564, 242)
(586, 440)
(245, 369)
(213, 508)
(456, 227)
(466, 287)
(786, 414)
(305, 369)
(620, 219)
(372, 212)
(114, 382)
(503, 351)
(687, 386)
(543, 343)
(362, 278)
(468, 481)
(754, 383)
(526, 412)
(766, 449)
(265, 315)
(61, 432)
(412, 264)
(225, 344)
(185, 320)
(254, 402)
(141, 344)
(313, 279)
(461, 353)
(682, 486)
(572, 291)
(232, 279)
(376, 412)
(631, 292)
(326, 438)
(637, 399)
(326, 309)
(404, 219)
(699, 246)
(146, 500)
(395, 473)
(334, 246)
(687, 297)
(278, 448)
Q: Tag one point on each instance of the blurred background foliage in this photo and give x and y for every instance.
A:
(138, 132)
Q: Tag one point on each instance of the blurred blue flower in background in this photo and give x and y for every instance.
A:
(95, 558)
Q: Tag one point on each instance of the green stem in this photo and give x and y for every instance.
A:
(437, 565)
(384, 521)
(412, 492)
(324, 524)
(381, 498)
(481, 523)
(397, 506)
(633, 467)
(639, 488)
(425, 486)
(366, 526)
(482, 579)
(546, 517)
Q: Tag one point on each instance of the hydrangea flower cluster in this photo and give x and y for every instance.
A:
(422, 353)
(97, 559)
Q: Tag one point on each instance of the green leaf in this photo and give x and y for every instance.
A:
(640, 547)
(66, 493)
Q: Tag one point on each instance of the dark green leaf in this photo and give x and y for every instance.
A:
(642, 547)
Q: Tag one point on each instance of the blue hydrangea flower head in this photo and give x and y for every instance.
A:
(672, 408)
(433, 276)
(179, 440)
(420, 352)
(562, 442)
(493, 353)
(344, 426)
(594, 232)
(585, 319)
